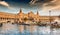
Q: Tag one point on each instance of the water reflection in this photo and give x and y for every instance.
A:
(9, 29)
(14, 29)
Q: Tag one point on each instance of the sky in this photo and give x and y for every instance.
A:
(42, 6)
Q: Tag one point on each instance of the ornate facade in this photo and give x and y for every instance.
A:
(21, 17)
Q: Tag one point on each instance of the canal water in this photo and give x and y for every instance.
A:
(14, 29)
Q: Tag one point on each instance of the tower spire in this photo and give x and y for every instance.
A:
(20, 10)
(37, 13)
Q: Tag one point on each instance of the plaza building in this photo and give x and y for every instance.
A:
(29, 17)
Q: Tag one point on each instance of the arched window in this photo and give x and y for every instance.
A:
(25, 19)
(1, 18)
(7, 18)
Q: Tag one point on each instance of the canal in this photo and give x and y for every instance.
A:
(14, 29)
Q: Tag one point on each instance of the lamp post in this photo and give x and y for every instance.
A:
(50, 16)
(51, 29)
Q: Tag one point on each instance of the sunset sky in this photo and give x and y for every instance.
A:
(43, 6)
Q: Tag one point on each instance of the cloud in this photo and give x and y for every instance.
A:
(40, 1)
(32, 2)
(3, 3)
(46, 4)
(55, 5)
